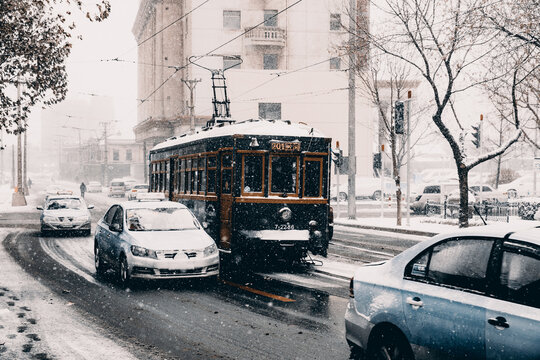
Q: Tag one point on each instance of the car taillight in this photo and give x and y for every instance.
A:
(351, 288)
(133, 190)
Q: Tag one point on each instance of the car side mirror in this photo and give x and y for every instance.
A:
(90, 206)
(115, 227)
(39, 207)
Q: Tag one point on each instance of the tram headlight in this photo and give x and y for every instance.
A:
(313, 223)
(317, 234)
(285, 213)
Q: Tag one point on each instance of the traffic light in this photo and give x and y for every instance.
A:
(476, 135)
(399, 110)
(377, 160)
(337, 157)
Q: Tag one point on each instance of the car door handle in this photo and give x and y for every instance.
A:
(415, 302)
(499, 322)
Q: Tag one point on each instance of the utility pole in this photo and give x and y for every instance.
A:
(352, 111)
(106, 155)
(191, 84)
(13, 166)
(25, 162)
(409, 98)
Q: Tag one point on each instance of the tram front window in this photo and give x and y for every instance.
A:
(253, 173)
(284, 174)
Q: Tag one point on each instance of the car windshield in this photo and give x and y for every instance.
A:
(140, 187)
(56, 204)
(160, 219)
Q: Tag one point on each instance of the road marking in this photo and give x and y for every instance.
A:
(380, 253)
(53, 253)
(259, 292)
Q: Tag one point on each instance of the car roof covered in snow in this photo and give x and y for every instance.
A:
(248, 127)
(151, 205)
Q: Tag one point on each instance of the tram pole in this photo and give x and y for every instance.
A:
(191, 84)
(352, 110)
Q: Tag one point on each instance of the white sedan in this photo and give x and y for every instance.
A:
(153, 240)
(63, 213)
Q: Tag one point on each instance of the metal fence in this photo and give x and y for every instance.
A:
(486, 211)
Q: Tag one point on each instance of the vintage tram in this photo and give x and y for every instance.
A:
(258, 187)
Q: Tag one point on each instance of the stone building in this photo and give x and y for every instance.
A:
(291, 66)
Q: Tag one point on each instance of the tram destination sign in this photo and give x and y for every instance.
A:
(277, 145)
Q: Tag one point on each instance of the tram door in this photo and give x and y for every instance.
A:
(226, 201)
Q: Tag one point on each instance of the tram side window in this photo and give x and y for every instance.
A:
(202, 176)
(284, 174)
(226, 174)
(194, 164)
(160, 176)
(313, 177)
(252, 180)
(177, 179)
(211, 182)
(165, 175)
(188, 176)
(183, 176)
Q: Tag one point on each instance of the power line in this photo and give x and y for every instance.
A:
(161, 85)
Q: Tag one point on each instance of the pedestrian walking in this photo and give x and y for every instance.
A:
(29, 183)
(83, 189)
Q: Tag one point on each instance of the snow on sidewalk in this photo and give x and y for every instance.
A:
(36, 324)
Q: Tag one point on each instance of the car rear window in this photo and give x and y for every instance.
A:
(117, 184)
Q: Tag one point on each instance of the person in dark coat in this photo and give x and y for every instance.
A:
(83, 189)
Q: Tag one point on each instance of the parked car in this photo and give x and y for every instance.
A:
(365, 187)
(472, 294)
(452, 203)
(94, 186)
(136, 190)
(521, 187)
(435, 193)
(129, 183)
(153, 240)
(117, 188)
(487, 193)
(62, 213)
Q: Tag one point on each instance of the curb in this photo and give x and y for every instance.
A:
(394, 230)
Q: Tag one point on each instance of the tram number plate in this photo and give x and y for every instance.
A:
(284, 227)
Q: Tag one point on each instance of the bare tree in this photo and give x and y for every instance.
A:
(445, 43)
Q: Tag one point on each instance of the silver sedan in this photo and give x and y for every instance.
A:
(153, 240)
(65, 213)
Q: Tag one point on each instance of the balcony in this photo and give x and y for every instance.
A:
(266, 36)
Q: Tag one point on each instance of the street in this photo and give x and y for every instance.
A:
(245, 315)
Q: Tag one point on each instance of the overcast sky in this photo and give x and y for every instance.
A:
(88, 74)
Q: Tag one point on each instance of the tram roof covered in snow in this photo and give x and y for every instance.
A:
(247, 127)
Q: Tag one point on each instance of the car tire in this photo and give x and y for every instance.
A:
(356, 351)
(86, 232)
(391, 344)
(376, 195)
(98, 262)
(342, 196)
(123, 272)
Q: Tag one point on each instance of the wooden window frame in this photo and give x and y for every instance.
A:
(317, 159)
(214, 168)
(253, 153)
(270, 193)
(227, 152)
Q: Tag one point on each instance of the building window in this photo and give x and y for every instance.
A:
(129, 155)
(335, 63)
(116, 155)
(270, 61)
(231, 62)
(271, 111)
(231, 19)
(335, 22)
(270, 18)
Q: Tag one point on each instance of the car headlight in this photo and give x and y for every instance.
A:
(210, 250)
(143, 252)
(50, 218)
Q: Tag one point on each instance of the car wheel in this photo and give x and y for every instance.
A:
(389, 344)
(98, 262)
(342, 196)
(123, 272)
(87, 232)
(376, 195)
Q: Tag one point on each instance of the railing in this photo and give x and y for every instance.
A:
(494, 211)
(270, 35)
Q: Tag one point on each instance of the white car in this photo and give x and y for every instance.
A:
(63, 213)
(472, 294)
(94, 186)
(153, 240)
(365, 187)
(522, 187)
(136, 190)
(487, 193)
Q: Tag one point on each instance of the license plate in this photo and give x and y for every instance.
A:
(284, 226)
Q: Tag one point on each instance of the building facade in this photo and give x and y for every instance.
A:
(97, 161)
(279, 64)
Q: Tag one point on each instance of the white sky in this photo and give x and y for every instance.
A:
(87, 74)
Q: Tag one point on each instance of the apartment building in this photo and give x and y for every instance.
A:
(279, 64)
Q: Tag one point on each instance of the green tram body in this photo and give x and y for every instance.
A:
(258, 187)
